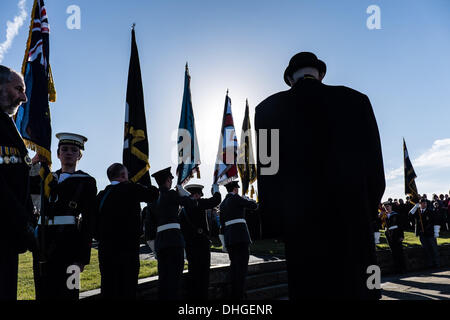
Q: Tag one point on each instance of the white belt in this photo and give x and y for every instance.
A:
(59, 220)
(168, 226)
(393, 227)
(227, 223)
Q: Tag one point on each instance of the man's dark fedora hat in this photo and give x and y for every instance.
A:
(301, 60)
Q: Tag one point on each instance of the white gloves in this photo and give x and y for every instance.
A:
(182, 192)
(436, 231)
(249, 199)
(377, 237)
(222, 240)
(414, 209)
(214, 188)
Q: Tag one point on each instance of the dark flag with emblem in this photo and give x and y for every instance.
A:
(410, 176)
(33, 117)
(246, 160)
(135, 147)
(188, 152)
(225, 169)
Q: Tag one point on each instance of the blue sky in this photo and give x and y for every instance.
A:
(245, 46)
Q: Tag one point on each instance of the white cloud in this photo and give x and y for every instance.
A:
(432, 168)
(436, 157)
(12, 29)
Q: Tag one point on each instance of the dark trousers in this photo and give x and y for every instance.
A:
(50, 280)
(239, 255)
(119, 274)
(429, 243)
(199, 261)
(8, 277)
(397, 254)
(170, 272)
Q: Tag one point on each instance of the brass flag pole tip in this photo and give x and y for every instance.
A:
(227, 91)
(133, 25)
(187, 66)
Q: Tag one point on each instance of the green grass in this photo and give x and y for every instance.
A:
(412, 241)
(90, 277)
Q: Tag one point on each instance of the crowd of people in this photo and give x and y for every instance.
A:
(439, 205)
(72, 214)
(427, 218)
(341, 154)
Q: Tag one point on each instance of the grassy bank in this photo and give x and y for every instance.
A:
(90, 277)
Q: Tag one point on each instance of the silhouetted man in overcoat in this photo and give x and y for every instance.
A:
(328, 142)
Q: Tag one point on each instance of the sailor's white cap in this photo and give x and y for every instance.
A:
(71, 138)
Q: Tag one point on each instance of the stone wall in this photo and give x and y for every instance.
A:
(415, 259)
(268, 280)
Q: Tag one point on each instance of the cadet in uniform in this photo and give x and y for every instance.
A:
(169, 243)
(237, 237)
(195, 229)
(16, 227)
(394, 235)
(427, 229)
(118, 232)
(67, 225)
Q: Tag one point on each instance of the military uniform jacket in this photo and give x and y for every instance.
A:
(194, 225)
(164, 211)
(428, 219)
(16, 207)
(394, 228)
(75, 196)
(118, 223)
(233, 207)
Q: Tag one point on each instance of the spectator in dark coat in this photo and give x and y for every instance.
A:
(328, 140)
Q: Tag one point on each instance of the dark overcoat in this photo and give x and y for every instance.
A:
(325, 194)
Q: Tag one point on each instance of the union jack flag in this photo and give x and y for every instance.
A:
(226, 169)
(33, 118)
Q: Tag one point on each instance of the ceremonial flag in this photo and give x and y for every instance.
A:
(225, 169)
(410, 175)
(188, 152)
(33, 117)
(246, 160)
(135, 147)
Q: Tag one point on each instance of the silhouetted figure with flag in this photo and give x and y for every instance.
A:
(193, 220)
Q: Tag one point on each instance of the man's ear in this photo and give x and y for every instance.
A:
(291, 80)
(321, 76)
(80, 156)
